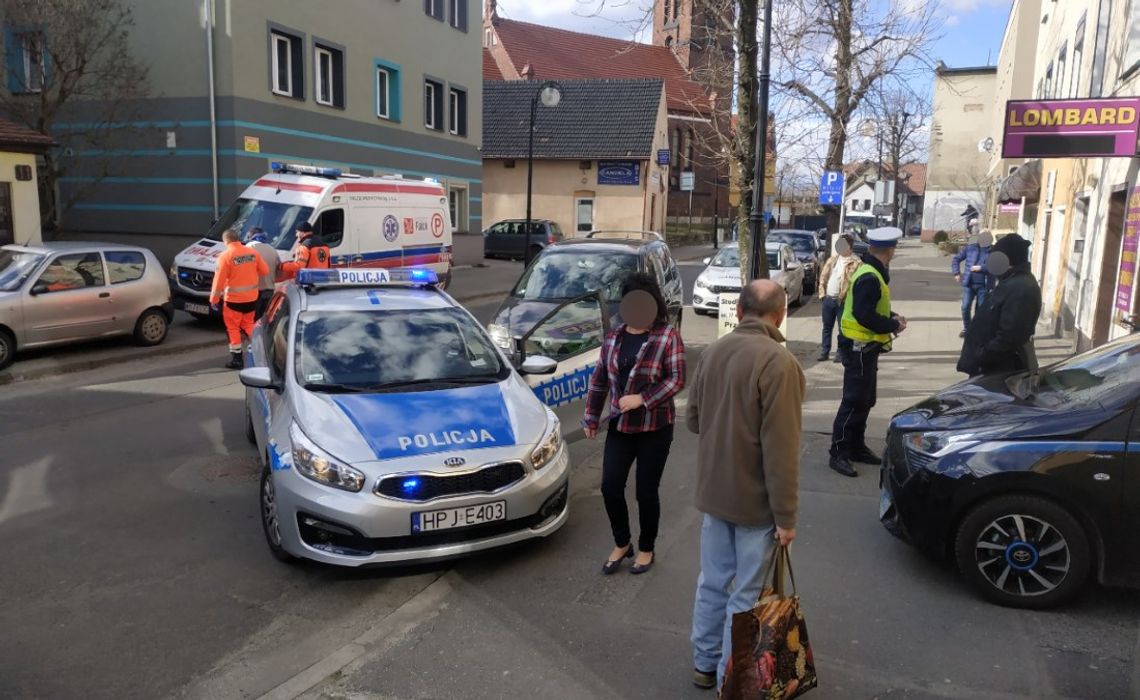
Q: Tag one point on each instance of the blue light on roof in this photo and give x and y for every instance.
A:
(299, 169)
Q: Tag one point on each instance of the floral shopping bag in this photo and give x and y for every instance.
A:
(771, 656)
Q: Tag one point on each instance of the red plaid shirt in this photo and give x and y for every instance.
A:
(658, 376)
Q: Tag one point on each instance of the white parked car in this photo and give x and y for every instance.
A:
(723, 276)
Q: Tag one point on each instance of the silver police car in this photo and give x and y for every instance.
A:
(391, 428)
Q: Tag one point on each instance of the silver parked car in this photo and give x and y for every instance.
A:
(56, 293)
(723, 275)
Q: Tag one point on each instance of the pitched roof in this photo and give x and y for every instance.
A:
(21, 138)
(916, 183)
(595, 119)
(558, 54)
(490, 68)
(861, 170)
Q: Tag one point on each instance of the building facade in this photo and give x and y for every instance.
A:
(19, 193)
(958, 167)
(370, 87)
(594, 164)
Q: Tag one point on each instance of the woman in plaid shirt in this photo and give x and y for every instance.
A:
(640, 369)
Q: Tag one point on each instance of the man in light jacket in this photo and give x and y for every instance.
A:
(265, 285)
(976, 280)
(745, 403)
(834, 279)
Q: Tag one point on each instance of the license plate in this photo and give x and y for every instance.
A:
(193, 308)
(449, 518)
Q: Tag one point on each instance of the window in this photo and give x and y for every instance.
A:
(7, 235)
(1132, 40)
(328, 74)
(69, 272)
(434, 9)
(668, 15)
(387, 91)
(866, 205)
(330, 227)
(124, 265)
(433, 104)
(1062, 58)
(27, 61)
(690, 160)
(457, 14)
(287, 75)
(1049, 81)
(457, 111)
(1100, 49)
(1078, 59)
(279, 339)
(488, 38)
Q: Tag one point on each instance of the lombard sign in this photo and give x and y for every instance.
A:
(1071, 128)
(619, 172)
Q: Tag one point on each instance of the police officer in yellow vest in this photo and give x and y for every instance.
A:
(868, 321)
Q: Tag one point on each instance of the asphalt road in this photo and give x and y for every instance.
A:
(134, 566)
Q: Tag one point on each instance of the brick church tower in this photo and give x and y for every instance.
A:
(693, 37)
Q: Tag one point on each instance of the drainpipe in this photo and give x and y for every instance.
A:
(208, 6)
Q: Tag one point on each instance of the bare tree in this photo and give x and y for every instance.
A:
(901, 118)
(833, 53)
(75, 62)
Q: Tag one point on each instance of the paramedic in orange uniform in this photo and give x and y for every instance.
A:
(311, 251)
(239, 270)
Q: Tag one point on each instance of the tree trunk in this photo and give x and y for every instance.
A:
(837, 140)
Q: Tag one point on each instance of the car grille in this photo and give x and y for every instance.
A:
(431, 486)
(198, 280)
(723, 289)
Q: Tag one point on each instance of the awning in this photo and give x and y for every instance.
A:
(1023, 182)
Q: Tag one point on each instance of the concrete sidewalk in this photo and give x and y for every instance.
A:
(541, 621)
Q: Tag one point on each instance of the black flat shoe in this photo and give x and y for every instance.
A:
(641, 569)
(865, 455)
(843, 466)
(705, 680)
(611, 567)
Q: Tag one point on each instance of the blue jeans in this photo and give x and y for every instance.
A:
(972, 294)
(733, 559)
(832, 310)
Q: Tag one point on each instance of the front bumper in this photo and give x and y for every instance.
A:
(708, 299)
(191, 302)
(364, 529)
(917, 502)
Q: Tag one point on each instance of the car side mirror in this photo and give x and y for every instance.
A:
(537, 364)
(258, 378)
(38, 288)
(706, 261)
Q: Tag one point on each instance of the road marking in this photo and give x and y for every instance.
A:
(27, 490)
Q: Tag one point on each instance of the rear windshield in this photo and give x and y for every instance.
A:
(801, 243)
(277, 219)
(571, 273)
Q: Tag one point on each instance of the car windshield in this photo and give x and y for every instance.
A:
(277, 219)
(15, 267)
(1108, 375)
(362, 351)
(571, 273)
(729, 257)
(801, 243)
(773, 260)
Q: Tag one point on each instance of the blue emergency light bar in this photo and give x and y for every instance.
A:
(367, 277)
(299, 169)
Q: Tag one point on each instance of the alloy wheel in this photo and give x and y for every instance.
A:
(1022, 555)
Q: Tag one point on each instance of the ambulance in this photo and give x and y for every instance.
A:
(384, 222)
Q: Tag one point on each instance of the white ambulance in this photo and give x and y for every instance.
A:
(387, 221)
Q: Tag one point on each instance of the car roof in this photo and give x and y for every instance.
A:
(61, 246)
(374, 299)
(522, 221)
(602, 245)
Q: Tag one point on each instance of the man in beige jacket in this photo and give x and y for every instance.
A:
(834, 279)
(745, 403)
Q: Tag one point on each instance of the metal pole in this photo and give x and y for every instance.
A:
(207, 6)
(690, 213)
(529, 176)
(716, 211)
(761, 143)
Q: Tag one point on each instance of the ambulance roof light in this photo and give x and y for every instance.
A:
(300, 169)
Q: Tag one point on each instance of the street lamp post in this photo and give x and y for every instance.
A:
(760, 168)
(550, 94)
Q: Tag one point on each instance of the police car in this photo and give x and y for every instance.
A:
(391, 427)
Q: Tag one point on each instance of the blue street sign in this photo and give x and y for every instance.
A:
(831, 188)
(663, 156)
(619, 172)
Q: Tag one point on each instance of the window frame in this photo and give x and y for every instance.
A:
(295, 42)
(1078, 56)
(386, 113)
(434, 114)
(457, 110)
(319, 77)
(28, 69)
(394, 76)
(1062, 63)
(107, 263)
(277, 39)
(457, 14)
(435, 9)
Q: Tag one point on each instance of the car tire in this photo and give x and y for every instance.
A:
(7, 348)
(249, 432)
(267, 502)
(1029, 537)
(151, 328)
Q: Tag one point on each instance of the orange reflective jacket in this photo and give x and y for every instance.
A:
(239, 269)
(310, 253)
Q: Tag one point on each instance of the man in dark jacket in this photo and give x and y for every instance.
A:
(997, 340)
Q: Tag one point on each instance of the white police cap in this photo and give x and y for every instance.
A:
(886, 237)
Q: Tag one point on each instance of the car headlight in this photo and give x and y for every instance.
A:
(500, 336)
(548, 447)
(701, 284)
(938, 443)
(310, 461)
(173, 271)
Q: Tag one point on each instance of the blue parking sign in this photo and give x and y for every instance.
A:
(831, 188)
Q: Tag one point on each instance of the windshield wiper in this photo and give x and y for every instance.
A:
(330, 388)
(482, 379)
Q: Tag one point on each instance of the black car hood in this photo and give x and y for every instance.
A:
(521, 315)
(986, 404)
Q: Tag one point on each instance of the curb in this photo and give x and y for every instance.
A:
(67, 367)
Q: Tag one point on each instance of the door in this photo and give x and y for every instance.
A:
(330, 227)
(69, 300)
(572, 335)
(1109, 267)
(130, 293)
(584, 214)
(7, 233)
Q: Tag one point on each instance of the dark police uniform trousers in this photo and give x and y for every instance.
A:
(860, 389)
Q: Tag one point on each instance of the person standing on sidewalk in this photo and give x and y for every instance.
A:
(640, 369)
(236, 282)
(834, 280)
(745, 403)
(265, 286)
(976, 280)
(869, 322)
(999, 340)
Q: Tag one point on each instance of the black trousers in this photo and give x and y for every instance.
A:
(650, 451)
(263, 298)
(860, 388)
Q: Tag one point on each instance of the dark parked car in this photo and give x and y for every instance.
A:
(1030, 481)
(810, 252)
(507, 239)
(579, 266)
